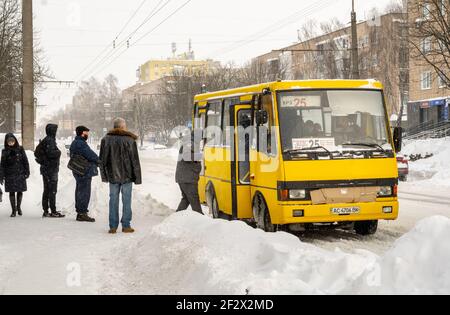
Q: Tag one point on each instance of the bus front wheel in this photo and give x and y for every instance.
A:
(366, 227)
(262, 215)
(213, 205)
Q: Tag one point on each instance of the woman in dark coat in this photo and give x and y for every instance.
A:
(15, 171)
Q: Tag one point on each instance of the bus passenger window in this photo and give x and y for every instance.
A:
(214, 127)
(226, 129)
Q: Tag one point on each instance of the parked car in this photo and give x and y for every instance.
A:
(403, 168)
(67, 146)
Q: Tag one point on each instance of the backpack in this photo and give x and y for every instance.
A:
(40, 153)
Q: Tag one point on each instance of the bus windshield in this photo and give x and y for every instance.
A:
(334, 120)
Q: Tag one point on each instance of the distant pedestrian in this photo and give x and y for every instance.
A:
(188, 174)
(48, 156)
(14, 172)
(120, 167)
(80, 149)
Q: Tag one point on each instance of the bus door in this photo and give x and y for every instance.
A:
(200, 123)
(241, 191)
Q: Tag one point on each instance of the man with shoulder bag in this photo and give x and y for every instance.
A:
(84, 166)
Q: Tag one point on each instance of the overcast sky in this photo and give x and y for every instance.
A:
(73, 33)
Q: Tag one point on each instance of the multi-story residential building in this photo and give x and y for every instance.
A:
(185, 63)
(429, 95)
(141, 91)
(383, 55)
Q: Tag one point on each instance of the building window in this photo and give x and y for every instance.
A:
(320, 49)
(375, 61)
(364, 42)
(426, 10)
(443, 7)
(441, 81)
(426, 80)
(426, 45)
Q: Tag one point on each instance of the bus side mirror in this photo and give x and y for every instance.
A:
(262, 117)
(398, 139)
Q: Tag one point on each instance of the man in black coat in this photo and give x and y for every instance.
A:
(188, 174)
(81, 148)
(120, 167)
(49, 161)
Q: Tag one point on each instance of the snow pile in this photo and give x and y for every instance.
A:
(435, 170)
(191, 254)
(160, 152)
(419, 261)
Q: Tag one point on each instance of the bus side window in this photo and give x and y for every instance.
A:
(266, 132)
(226, 129)
(214, 124)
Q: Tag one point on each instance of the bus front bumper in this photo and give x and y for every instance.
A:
(292, 213)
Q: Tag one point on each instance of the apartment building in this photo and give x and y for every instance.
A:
(383, 55)
(429, 95)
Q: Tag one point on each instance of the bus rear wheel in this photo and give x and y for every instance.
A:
(262, 215)
(366, 227)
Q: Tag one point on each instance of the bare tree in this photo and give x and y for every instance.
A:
(430, 37)
(11, 61)
(95, 105)
(146, 116)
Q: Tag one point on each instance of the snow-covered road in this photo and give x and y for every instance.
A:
(40, 256)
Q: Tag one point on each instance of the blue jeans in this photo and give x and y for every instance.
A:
(114, 196)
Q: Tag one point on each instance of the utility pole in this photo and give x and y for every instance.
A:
(28, 113)
(355, 56)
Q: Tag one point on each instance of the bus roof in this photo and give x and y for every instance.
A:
(294, 85)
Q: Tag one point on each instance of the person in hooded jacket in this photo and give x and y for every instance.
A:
(188, 173)
(50, 172)
(83, 189)
(15, 171)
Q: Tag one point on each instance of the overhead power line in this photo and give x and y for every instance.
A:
(126, 41)
(105, 49)
(145, 35)
(130, 19)
(295, 17)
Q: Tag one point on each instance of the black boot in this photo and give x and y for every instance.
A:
(19, 204)
(46, 214)
(56, 214)
(84, 217)
(12, 199)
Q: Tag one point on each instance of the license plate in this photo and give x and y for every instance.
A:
(345, 211)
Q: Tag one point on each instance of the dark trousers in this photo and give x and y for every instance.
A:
(83, 194)
(50, 191)
(190, 197)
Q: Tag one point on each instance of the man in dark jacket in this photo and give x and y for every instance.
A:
(50, 171)
(188, 174)
(84, 183)
(120, 167)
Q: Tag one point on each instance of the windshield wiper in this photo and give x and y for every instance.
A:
(293, 151)
(369, 145)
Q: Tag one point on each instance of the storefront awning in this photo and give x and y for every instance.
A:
(431, 102)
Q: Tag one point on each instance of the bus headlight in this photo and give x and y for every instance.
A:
(297, 194)
(385, 191)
